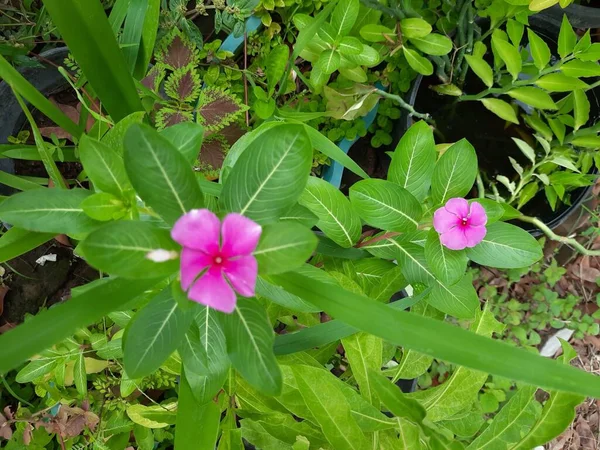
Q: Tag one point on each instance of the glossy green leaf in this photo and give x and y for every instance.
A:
(515, 30)
(344, 16)
(149, 33)
(525, 149)
(337, 217)
(538, 5)
(197, 425)
(124, 249)
(367, 57)
(79, 375)
(501, 108)
(454, 173)
(583, 69)
(160, 174)
(376, 33)
(539, 49)
(581, 108)
(534, 97)
(482, 69)
(185, 137)
(365, 354)
(53, 325)
(385, 205)
(581, 141)
(509, 54)
(279, 432)
(558, 82)
(104, 166)
(154, 416)
(48, 211)
(350, 45)
(506, 246)
(250, 346)
(299, 214)
(283, 247)
(153, 334)
(275, 65)
(414, 28)
(418, 63)
(433, 44)
(414, 160)
(328, 62)
(36, 369)
(103, 207)
(131, 38)
(90, 39)
(16, 241)
(566, 38)
(591, 54)
(392, 397)
(115, 137)
(448, 265)
(285, 299)
(270, 174)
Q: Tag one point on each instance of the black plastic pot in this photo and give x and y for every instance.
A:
(580, 16)
(547, 26)
(48, 81)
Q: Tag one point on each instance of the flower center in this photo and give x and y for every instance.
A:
(218, 260)
(465, 221)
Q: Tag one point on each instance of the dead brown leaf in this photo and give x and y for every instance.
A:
(27, 434)
(5, 430)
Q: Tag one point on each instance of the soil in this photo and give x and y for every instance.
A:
(374, 161)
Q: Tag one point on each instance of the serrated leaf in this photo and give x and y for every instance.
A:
(506, 246)
(509, 54)
(558, 82)
(414, 160)
(515, 30)
(525, 149)
(501, 108)
(539, 49)
(454, 173)
(217, 108)
(337, 217)
(385, 205)
(418, 63)
(581, 108)
(433, 44)
(567, 39)
(482, 69)
(448, 265)
(534, 97)
(583, 69)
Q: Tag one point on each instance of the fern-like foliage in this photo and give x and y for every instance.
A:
(217, 108)
(176, 51)
(183, 85)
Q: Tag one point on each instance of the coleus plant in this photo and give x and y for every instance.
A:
(234, 362)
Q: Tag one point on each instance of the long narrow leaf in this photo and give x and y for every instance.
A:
(17, 241)
(57, 323)
(117, 15)
(88, 34)
(440, 339)
(149, 32)
(132, 32)
(10, 75)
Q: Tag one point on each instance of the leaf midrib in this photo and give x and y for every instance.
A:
(332, 216)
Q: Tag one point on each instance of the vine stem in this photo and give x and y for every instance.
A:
(555, 237)
(404, 105)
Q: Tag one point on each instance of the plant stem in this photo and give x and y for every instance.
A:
(384, 236)
(480, 186)
(555, 237)
(404, 105)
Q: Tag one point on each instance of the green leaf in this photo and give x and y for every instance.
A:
(123, 248)
(327, 34)
(350, 45)
(581, 108)
(385, 205)
(558, 128)
(558, 82)
(538, 5)
(414, 160)
(515, 30)
(367, 57)
(132, 32)
(534, 97)
(392, 397)
(582, 141)
(79, 375)
(376, 33)
(581, 69)
(506, 246)
(51, 326)
(160, 174)
(250, 346)
(539, 49)
(525, 149)
(591, 54)
(357, 74)
(279, 432)
(276, 64)
(104, 166)
(149, 32)
(566, 38)
(459, 300)
(48, 211)
(328, 62)
(331, 410)
(270, 174)
(509, 54)
(417, 62)
(344, 16)
(16, 241)
(448, 265)
(454, 173)
(460, 390)
(155, 416)
(414, 28)
(197, 425)
(337, 217)
(501, 109)
(365, 354)
(114, 138)
(36, 369)
(309, 32)
(185, 137)
(433, 44)
(90, 39)
(153, 334)
(513, 420)
(284, 246)
(103, 207)
(482, 69)
(144, 437)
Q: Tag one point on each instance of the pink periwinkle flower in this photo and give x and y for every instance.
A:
(217, 257)
(460, 225)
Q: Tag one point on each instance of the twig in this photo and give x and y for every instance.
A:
(555, 237)
(245, 76)
(404, 105)
(387, 235)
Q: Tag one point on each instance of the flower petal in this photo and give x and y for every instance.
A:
(458, 206)
(198, 229)
(477, 216)
(212, 290)
(240, 235)
(193, 262)
(454, 239)
(474, 235)
(444, 221)
(242, 273)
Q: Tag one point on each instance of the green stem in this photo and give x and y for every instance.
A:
(555, 237)
(11, 392)
(404, 105)
(480, 186)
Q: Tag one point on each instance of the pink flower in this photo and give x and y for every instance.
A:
(460, 225)
(217, 256)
